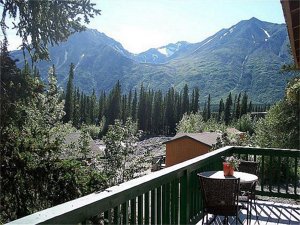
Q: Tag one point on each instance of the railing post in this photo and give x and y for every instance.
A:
(147, 208)
(295, 179)
(153, 207)
(184, 198)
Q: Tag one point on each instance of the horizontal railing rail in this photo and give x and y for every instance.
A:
(168, 196)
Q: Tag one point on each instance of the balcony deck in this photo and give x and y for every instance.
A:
(172, 195)
(269, 213)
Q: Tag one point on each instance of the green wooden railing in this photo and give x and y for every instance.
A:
(171, 195)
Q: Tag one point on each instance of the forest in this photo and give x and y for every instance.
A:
(155, 112)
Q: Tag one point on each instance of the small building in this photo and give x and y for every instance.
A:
(72, 143)
(185, 146)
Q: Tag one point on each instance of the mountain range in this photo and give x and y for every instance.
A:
(245, 57)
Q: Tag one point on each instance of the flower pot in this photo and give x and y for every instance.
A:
(228, 169)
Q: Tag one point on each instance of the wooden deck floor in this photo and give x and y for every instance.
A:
(269, 213)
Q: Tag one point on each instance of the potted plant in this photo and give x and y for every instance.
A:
(231, 163)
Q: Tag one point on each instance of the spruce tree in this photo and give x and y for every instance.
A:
(195, 100)
(93, 108)
(157, 113)
(208, 108)
(102, 105)
(134, 107)
(69, 102)
(170, 123)
(227, 110)
(204, 114)
(244, 104)
(113, 110)
(221, 110)
(185, 100)
(141, 111)
(76, 121)
(238, 107)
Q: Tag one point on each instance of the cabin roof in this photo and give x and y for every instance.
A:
(73, 139)
(208, 138)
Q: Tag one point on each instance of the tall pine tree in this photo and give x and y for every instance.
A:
(69, 102)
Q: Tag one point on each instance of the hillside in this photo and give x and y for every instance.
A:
(244, 57)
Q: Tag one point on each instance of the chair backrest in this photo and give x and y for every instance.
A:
(249, 167)
(220, 194)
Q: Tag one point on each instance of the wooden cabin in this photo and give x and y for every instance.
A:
(185, 146)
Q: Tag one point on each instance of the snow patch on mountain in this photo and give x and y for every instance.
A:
(118, 49)
(208, 41)
(81, 57)
(253, 38)
(65, 59)
(231, 29)
(266, 32)
(163, 50)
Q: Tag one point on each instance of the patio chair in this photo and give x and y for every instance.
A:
(220, 197)
(247, 190)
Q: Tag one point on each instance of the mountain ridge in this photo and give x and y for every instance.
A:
(244, 57)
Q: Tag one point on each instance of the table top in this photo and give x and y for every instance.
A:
(244, 177)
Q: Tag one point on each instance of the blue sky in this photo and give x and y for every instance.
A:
(141, 24)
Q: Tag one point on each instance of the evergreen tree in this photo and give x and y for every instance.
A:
(76, 117)
(238, 107)
(250, 107)
(244, 104)
(134, 107)
(129, 105)
(227, 110)
(102, 105)
(141, 114)
(157, 113)
(113, 111)
(82, 108)
(208, 108)
(234, 108)
(69, 102)
(39, 23)
(170, 122)
(204, 114)
(195, 100)
(93, 108)
(221, 110)
(178, 104)
(124, 106)
(185, 100)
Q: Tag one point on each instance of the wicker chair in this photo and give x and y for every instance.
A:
(247, 191)
(220, 197)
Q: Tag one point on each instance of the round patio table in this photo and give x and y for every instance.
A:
(244, 177)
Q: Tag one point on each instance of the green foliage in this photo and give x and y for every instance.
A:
(35, 174)
(246, 124)
(69, 100)
(123, 161)
(213, 125)
(39, 23)
(92, 130)
(190, 123)
(227, 110)
(280, 128)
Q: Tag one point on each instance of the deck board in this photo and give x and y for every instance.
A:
(269, 213)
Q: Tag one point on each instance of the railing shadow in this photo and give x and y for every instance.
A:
(268, 213)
